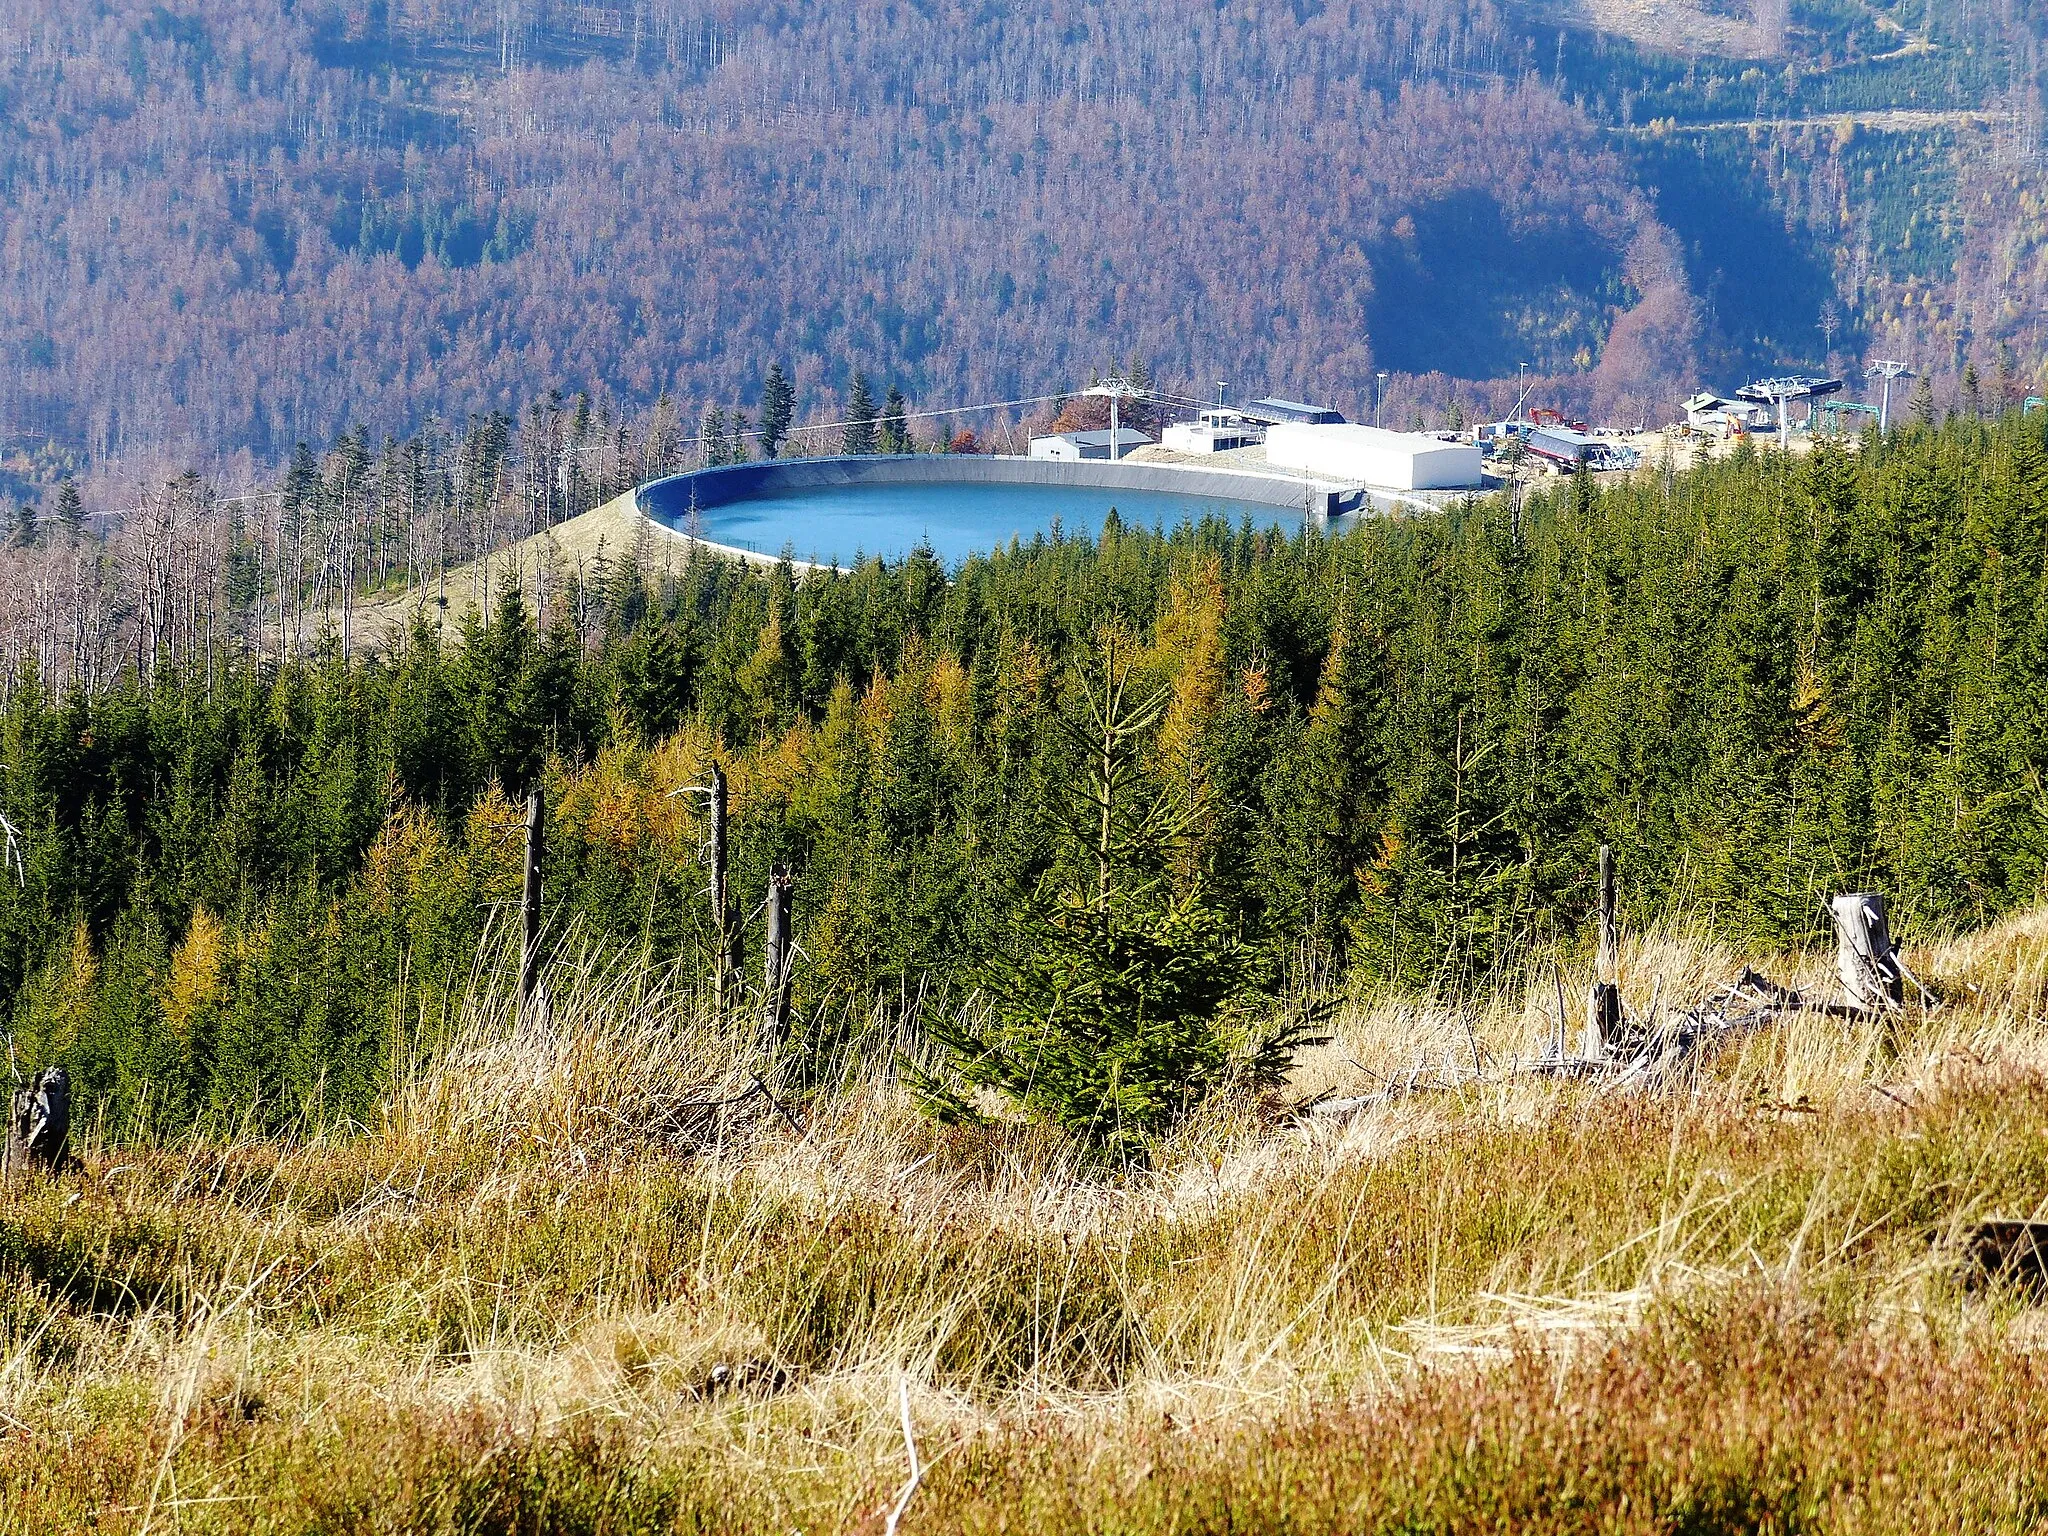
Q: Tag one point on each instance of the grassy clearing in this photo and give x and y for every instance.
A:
(611, 532)
(580, 1279)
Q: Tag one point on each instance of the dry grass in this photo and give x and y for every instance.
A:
(585, 1276)
(545, 562)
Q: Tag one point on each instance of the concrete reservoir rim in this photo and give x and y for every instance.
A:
(673, 495)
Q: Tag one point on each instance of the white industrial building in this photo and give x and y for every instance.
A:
(1398, 461)
(1088, 445)
(1216, 431)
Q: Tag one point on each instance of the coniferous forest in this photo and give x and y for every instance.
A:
(253, 881)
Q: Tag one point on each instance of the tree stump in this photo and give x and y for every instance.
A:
(39, 1124)
(2015, 1251)
(1872, 977)
(1603, 1019)
(1603, 1002)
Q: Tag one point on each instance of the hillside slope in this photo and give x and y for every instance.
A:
(581, 1276)
(545, 567)
(243, 225)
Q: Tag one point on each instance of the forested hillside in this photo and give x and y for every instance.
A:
(520, 1019)
(234, 227)
(1398, 747)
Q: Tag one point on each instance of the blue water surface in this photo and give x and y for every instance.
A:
(845, 523)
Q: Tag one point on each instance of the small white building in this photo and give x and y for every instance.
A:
(1088, 445)
(1719, 416)
(1398, 461)
(1215, 431)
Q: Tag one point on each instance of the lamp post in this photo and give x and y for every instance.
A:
(1379, 400)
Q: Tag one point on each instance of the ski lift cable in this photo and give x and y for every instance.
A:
(956, 410)
(1161, 396)
(1164, 397)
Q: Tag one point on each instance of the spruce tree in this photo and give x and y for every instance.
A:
(505, 689)
(778, 411)
(656, 668)
(1923, 402)
(1973, 393)
(1119, 1004)
(1140, 412)
(859, 437)
(894, 427)
(1585, 495)
(70, 507)
(301, 479)
(24, 524)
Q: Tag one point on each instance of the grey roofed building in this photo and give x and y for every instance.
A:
(1276, 411)
(1087, 445)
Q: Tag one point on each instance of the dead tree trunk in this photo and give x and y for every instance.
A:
(1603, 1002)
(38, 1124)
(1872, 977)
(725, 958)
(19, 1111)
(775, 991)
(529, 905)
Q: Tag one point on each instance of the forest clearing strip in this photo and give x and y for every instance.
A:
(1884, 120)
(1668, 24)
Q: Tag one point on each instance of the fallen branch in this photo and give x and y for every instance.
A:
(1639, 1055)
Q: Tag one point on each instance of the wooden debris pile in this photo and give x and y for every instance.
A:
(1622, 1054)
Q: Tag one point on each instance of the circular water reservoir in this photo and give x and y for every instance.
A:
(839, 510)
